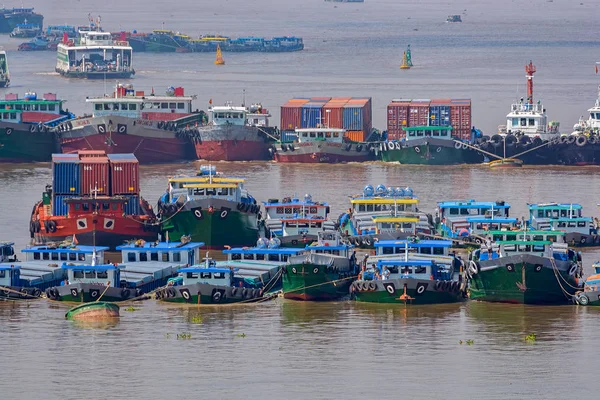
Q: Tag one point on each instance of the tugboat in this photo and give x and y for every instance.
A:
(321, 145)
(4, 74)
(467, 219)
(26, 126)
(296, 222)
(323, 271)
(590, 296)
(95, 200)
(26, 30)
(211, 208)
(524, 272)
(234, 134)
(154, 128)
(95, 55)
(567, 217)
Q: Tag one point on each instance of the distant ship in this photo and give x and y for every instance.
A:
(11, 17)
(346, 1)
(453, 18)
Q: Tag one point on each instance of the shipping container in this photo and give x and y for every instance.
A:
(356, 136)
(460, 113)
(66, 174)
(124, 174)
(358, 115)
(439, 114)
(418, 113)
(320, 99)
(396, 134)
(291, 114)
(132, 207)
(312, 115)
(91, 153)
(59, 207)
(95, 176)
(333, 112)
(397, 116)
(288, 136)
(462, 134)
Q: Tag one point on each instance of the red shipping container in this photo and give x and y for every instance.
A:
(94, 176)
(291, 115)
(179, 91)
(124, 174)
(91, 153)
(463, 134)
(320, 99)
(139, 93)
(396, 134)
(460, 114)
(333, 112)
(397, 116)
(418, 113)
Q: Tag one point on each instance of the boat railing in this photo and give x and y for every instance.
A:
(527, 107)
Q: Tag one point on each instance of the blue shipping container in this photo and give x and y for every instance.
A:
(288, 136)
(311, 115)
(133, 205)
(66, 175)
(353, 118)
(439, 115)
(59, 207)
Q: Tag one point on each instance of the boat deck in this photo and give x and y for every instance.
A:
(41, 275)
(149, 275)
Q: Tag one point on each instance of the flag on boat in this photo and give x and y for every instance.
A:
(75, 241)
(596, 68)
(152, 90)
(210, 101)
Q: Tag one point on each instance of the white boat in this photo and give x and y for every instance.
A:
(592, 124)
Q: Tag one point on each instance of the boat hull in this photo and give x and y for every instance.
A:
(430, 152)
(96, 75)
(231, 143)
(312, 282)
(95, 311)
(322, 152)
(407, 291)
(523, 279)
(126, 135)
(87, 292)
(587, 298)
(226, 225)
(207, 294)
(19, 144)
(10, 21)
(19, 293)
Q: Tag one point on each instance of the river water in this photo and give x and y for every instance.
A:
(292, 350)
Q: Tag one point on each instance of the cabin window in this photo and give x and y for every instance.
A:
(132, 107)
(45, 256)
(538, 247)
(105, 206)
(313, 134)
(407, 225)
(420, 270)
(562, 224)
(563, 213)
(425, 250)
(77, 206)
(181, 106)
(131, 257)
(273, 257)
(72, 257)
(115, 206)
(205, 275)
(177, 257)
(438, 251)
(63, 256)
(320, 135)
(511, 237)
(3, 274)
(115, 106)
(406, 270)
(192, 275)
(143, 256)
(102, 274)
(13, 115)
(36, 256)
(284, 257)
(289, 210)
(77, 274)
(153, 256)
(164, 105)
(279, 210)
(538, 237)
(551, 238)
(236, 256)
(248, 256)
(54, 256)
(515, 122)
(80, 256)
(124, 107)
(18, 107)
(327, 134)
(453, 211)
(523, 121)
(219, 275)
(98, 107)
(436, 133)
(260, 257)
(90, 274)
(572, 225)
(581, 224)
(411, 133)
(85, 207)
(43, 107)
(387, 250)
(531, 122)
(336, 134)
(361, 207)
(165, 257)
(172, 106)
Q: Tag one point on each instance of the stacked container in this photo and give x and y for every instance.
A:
(358, 119)
(439, 112)
(397, 118)
(66, 181)
(124, 174)
(94, 176)
(312, 113)
(333, 112)
(460, 118)
(291, 114)
(418, 112)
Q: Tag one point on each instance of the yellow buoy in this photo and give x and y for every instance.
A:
(219, 60)
(405, 64)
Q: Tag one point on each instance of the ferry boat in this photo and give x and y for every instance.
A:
(524, 272)
(234, 134)
(565, 217)
(468, 219)
(429, 145)
(296, 222)
(93, 199)
(11, 17)
(26, 30)
(321, 145)
(27, 125)
(150, 126)
(323, 271)
(4, 74)
(145, 267)
(211, 208)
(409, 281)
(94, 55)
(590, 296)
(383, 213)
(26, 279)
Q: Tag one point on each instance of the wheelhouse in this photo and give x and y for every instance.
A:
(9, 275)
(420, 132)
(472, 208)
(421, 247)
(557, 251)
(7, 252)
(57, 255)
(208, 274)
(395, 224)
(529, 235)
(176, 254)
(481, 226)
(94, 274)
(295, 208)
(261, 255)
(309, 135)
(560, 217)
(228, 115)
(415, 269)
(329, 243)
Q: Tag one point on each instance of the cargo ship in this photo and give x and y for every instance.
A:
(147, 125)
(235, 134)
(94, 55)
(11, 17)
(209, 208)
(4, 74)
(94, 199)
(27, 126)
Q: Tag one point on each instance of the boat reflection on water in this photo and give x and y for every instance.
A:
(100, 324)
(408, 314)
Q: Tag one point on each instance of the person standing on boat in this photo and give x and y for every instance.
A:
(386, 274)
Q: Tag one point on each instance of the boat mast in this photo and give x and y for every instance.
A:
(530, 70)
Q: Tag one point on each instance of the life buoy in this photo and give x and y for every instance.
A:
(198, 213)
(94, 293)
(185, 294)
(216, 297)
(582, 299)
(40, 127)
(538, 268)
(74, 292)
(8, 131)
(291, 146)
(581, 140)
(438, 149)
(372, 286)
(417, 149)
(316, 270)
(474, 268)
(234, 291)
(224, 214)
(390, 288)
(294, 270)
(348, 147)
(294, 243)
(51, 226)
(592, 140)
(283, 148)
(122, 129)
(573, 269)
(33, 128)
(101, 129)
(359, 148)
(240, 206)
(421, 289)
(457, 145)
(510, 267)
(125, 294)
(398, 146)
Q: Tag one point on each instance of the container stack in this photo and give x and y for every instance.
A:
(354, 114)
(92, 172)
(403, 113)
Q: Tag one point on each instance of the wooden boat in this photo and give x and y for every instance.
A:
(98, 310)
(506, 163)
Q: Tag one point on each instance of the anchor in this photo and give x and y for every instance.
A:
(404, 296)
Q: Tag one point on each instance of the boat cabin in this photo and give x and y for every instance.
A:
(31, 109)
(72, 254)
(530, 119)
(422, 247)
(415, 269)
(386, 199)
(557, 251)
(395, 224)
(126, 102)
(7, 252)
(173, 253)
(10, 275)
(94, 274)
(420, 132)
(207, 273)
(549, 236)
(105, 205)
(295, 208)
(471, 208)
(228, 115)
(329, 243)
(265, 251)
(257, 116)
(463, 227)
(308, 135)
(560, 217)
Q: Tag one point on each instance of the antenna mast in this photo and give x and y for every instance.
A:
(530, 70)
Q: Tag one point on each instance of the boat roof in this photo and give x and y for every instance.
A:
(263, 250)
(164, 246)
(210, 186)
(138, 99)
(420, 243)
(402, 263)
(428, 128)
(95, 47)
(384, 218)
(202, 268)
(302, 130)
(6, 267)
(206, 178)
(325, 247)
(471, 204)
(77, 249)
(565, 219)
(228, 108)
(385, 200)
(528, 232)
(104, 267)
(7, 243)
(294, 202)
(518, 242)
(491, 220)
(555, 206)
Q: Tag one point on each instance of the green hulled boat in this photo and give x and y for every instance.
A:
(210, 208)
(409, 282)
(430, 145)
(524, 272)
(97, 310)
(324, 271)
